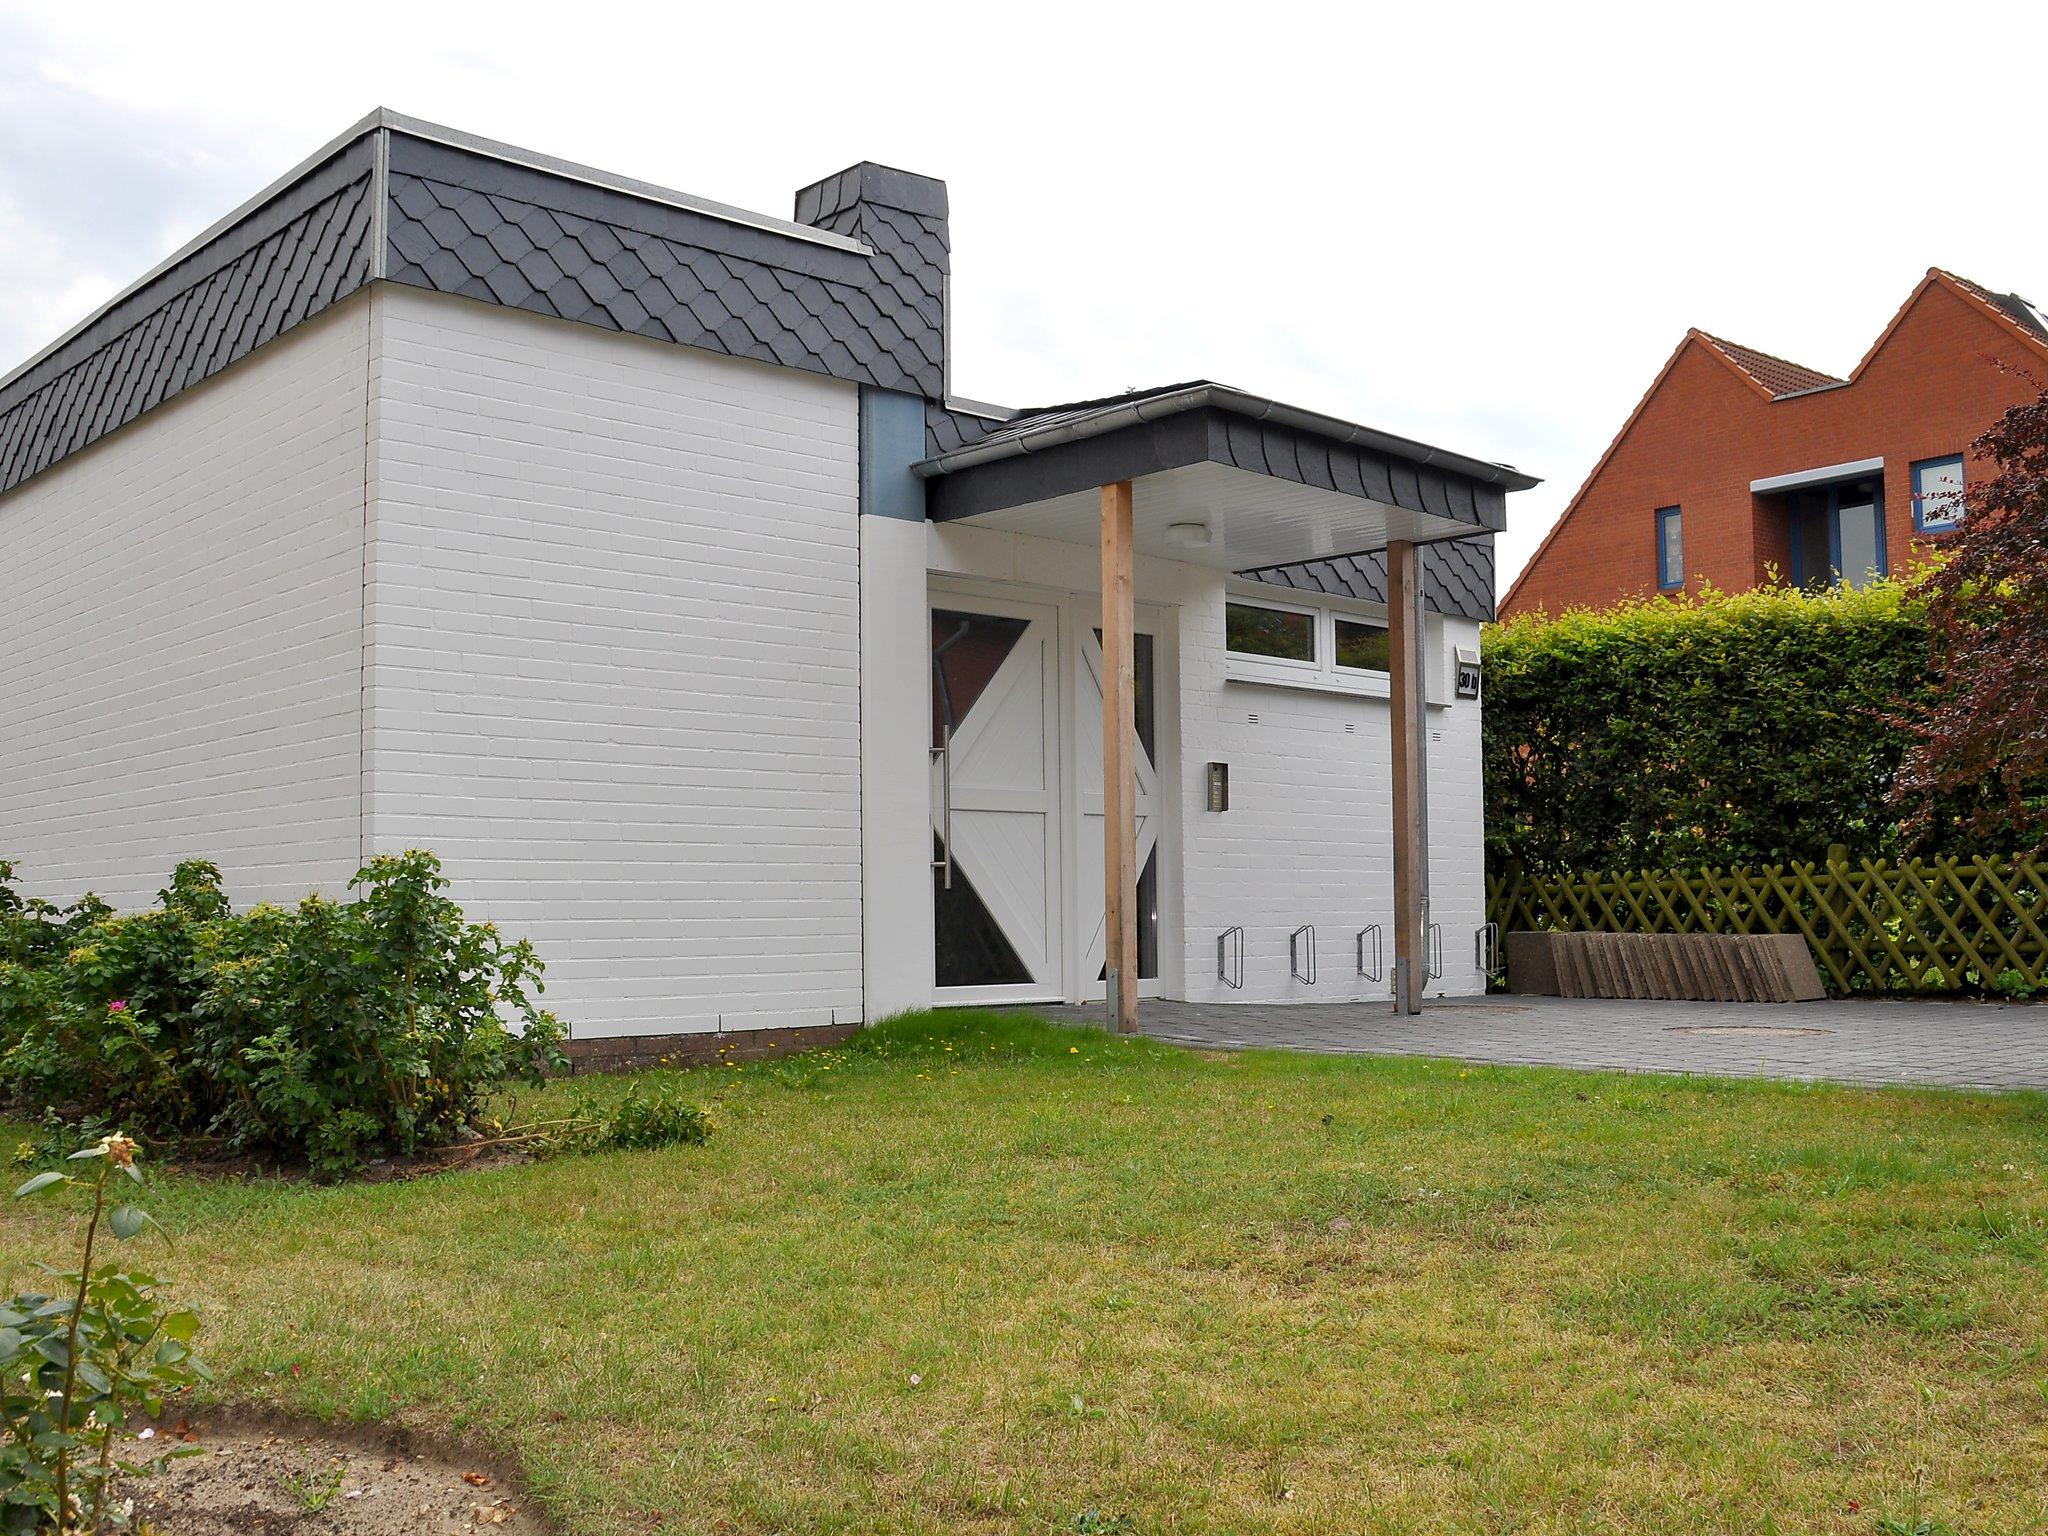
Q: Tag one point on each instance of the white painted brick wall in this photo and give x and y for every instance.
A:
(1308, 837)
(614, 660)
(896, 713)
(180, 640)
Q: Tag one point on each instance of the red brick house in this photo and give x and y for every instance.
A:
(1737, 464)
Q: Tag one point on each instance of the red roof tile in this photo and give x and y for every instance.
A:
(2028, 316)
(1776, 374)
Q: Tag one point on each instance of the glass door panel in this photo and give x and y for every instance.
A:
(994, 792)
(1860, 556)
(1813, 554)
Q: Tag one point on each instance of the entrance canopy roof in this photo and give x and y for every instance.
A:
(1221, 478)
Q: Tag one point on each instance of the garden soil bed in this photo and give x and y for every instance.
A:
(276, 1477)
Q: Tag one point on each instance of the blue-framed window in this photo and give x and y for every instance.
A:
(1938, 494)
(1670, 550)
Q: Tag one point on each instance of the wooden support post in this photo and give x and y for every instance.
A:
(1411, 850)
(1119, 795)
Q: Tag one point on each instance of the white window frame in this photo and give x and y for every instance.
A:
(1383, 624)
(1284, 666)
(1324, 675)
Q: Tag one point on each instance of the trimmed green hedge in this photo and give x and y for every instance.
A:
(1751, 728)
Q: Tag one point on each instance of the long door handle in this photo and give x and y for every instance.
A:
(944, 753)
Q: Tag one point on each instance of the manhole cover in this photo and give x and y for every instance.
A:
(1744, 1029)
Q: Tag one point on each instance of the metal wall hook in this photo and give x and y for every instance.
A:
(1378, 970)
(1224, 955)
(1294, 953)
(1486, 949)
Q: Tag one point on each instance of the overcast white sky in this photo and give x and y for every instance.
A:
(1482, 226)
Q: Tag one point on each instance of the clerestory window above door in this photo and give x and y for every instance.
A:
(1316, 646)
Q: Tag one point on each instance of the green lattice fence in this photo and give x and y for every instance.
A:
(1924, 925)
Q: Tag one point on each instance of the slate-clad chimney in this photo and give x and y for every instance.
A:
(902, 218)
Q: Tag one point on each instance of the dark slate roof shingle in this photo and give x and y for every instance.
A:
(622, 278)
(1032, 417)
(1457, 577)
(293, 259)
(946, 428)
(461, 217)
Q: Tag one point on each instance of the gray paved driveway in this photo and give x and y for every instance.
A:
(1941, 1044)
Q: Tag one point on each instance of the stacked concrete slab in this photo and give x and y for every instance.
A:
(1701, 967)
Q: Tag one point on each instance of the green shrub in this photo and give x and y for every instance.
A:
(32, 931)
(1756, 728)
(2013, 984)
(326, 1032)
(34, 937)
(637, 1122)
(657, 1120)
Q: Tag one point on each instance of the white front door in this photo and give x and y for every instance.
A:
(995, 784)
(1089, 853)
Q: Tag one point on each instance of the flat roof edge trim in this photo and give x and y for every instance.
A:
(979, 409)
(648, 191)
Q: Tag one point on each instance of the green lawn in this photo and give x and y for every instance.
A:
(983, 1274)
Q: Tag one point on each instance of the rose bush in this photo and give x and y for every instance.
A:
(327, 1032)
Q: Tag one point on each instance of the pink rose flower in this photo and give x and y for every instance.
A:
(117, 1006)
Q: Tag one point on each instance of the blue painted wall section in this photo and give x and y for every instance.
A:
(891, 440)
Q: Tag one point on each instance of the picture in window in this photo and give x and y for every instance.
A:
(1670, 549)
(1938, 494)
(1362, 646)
(1250, 629)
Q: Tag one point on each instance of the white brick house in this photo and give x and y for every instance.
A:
(628, 552)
